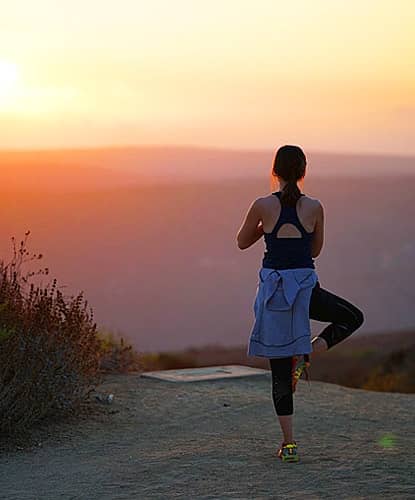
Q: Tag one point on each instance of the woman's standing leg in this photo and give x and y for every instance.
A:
(344, 318)
(282, 394)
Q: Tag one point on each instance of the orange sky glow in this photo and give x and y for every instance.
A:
(330, 75)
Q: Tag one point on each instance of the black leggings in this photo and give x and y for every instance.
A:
(325, 306)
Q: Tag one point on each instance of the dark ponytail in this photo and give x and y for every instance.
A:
(289, 164)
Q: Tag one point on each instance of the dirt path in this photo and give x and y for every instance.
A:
(216, 439)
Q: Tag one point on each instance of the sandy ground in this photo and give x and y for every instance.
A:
(217, 439)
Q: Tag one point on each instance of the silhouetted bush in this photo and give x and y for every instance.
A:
(396, 373)
(49, 349)
(166, 361)
(116, 355)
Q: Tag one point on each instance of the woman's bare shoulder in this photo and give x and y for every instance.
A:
(307, 200)
(266, 197)
(313, 202)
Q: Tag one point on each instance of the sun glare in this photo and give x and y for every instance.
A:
(9, 78)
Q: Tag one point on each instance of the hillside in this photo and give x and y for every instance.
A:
(96, 168)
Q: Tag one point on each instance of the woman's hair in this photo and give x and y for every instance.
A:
(289, 164)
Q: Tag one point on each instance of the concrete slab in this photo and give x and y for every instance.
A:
(205, 373)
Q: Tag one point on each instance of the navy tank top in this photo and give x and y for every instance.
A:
(288, 253)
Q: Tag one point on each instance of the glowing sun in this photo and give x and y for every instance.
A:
(9, 79)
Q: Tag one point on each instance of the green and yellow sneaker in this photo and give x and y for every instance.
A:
(288, 452)
(300, 366)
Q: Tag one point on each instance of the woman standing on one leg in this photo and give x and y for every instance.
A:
(325, 306)
(293, 228)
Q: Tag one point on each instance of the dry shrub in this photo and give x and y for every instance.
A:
(167, 361)
(49, 350)
(117, 355)
(396, 373)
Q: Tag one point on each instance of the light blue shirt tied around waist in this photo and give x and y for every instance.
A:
(282, 324)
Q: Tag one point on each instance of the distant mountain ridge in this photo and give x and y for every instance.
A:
(92, 168)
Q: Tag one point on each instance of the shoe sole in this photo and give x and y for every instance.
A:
(290, 459)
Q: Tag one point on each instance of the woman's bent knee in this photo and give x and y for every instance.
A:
(339, 331)
(358, 318)
(350, 317)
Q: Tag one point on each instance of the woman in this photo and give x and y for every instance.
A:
(292, 224)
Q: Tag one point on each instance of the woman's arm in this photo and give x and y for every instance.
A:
(251, 229)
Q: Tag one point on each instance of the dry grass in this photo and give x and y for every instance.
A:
(49, 348)
(395, 374)
(116, 354)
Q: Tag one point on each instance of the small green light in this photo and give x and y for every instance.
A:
(387, 441)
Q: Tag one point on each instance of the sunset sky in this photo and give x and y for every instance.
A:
(331, 75)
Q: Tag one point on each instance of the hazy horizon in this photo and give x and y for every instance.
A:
(89, 168)
(198, 147)
(106, 240)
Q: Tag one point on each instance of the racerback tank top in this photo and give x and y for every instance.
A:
(288, 253)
